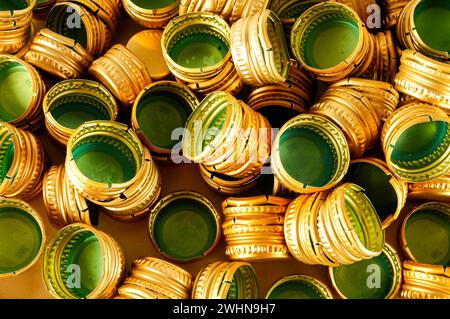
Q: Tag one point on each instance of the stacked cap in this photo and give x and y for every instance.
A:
(422, 281)
(228, 137)
(333, 228)
(108, 165)
(355, 115)
(425, 79)
(75, 32)
(58, 55)
(253, 228)
(152, 278)
(122, 72)
(64, 204)
(281, 102)
(230, 10)
(22, 162)
(385, 60)
(435, 190)
(15, 25)
(259, 49)
(383, 97)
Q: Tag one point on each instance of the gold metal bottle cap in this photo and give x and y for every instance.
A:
(299, 287)
(350, 281)
(415, 141)
(22, 94)
(159, 110)
(146, 45)
(22, 234)
(104, 159)
(151, 15)
(70, 103)
(156, 279)
(372, 175)
(62, 201)
(436, 190)
(218, 281)
(421, 234)
(295, 170)
(22, 159)
(102, 271)
(199, 221)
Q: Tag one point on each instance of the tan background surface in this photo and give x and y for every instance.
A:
(134, 237)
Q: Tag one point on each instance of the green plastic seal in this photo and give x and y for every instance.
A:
(425, 234)
(299, 287)
(184, 226)
(160, 109)
(376, 278)
(22, 236)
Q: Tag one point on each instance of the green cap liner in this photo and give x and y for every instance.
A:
(162, 109)
(427, 234)
(373, 179)
(356, 281)
(307, 156)
(184, 227)
(432, 23)
(16, 90)
(104, 159)
(72, 110)
(21, 237)
(198, 47)
(298, 287)
(421, 145)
